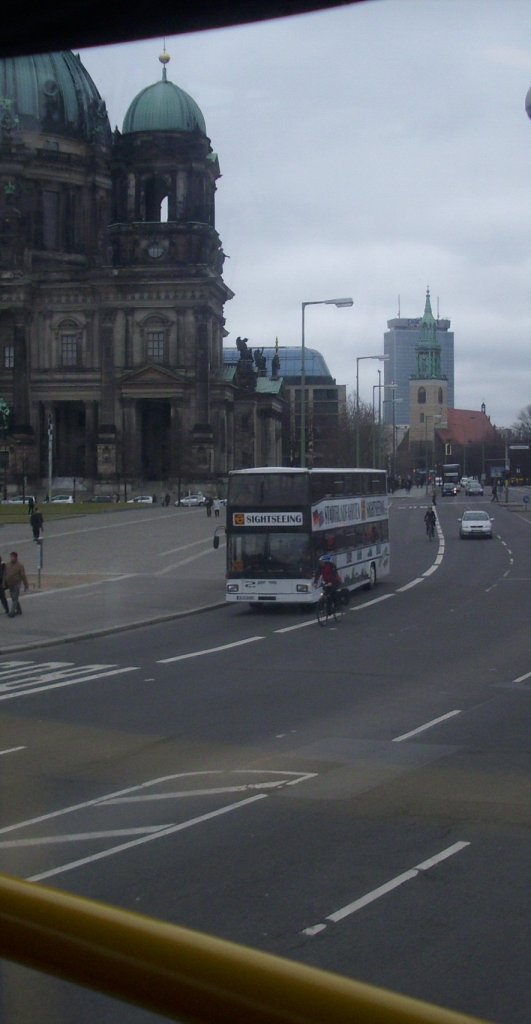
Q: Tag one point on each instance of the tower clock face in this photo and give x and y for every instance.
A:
(155, 250)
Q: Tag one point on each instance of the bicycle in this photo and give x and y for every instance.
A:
(430, 529)
(329, 606)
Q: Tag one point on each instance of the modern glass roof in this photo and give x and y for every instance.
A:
(290, 360)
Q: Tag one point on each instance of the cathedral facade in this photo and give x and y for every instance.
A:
(111, 289)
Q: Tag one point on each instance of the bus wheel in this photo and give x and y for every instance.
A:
(371, 583)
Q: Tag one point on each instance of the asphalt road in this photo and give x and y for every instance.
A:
(355, 797)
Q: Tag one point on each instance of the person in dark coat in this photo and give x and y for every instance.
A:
(3, 598)
(37, 523)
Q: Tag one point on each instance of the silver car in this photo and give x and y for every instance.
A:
(473, 488)
(475, 523)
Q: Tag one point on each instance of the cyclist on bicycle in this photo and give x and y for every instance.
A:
(430, 519)
(327, 574)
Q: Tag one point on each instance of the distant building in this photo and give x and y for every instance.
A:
(400, 344)
(325, 402)
(437, 433)
(471, 440)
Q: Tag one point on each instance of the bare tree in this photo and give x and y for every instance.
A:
(522, 427)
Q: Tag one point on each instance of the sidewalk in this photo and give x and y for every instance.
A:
(90, 589)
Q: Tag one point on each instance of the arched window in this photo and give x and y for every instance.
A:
(156, 200)
(421, 396)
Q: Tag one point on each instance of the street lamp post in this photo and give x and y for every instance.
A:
(50, 455)
(358, 358)
(386, 387)
(316, 302)
(394, 400)
(426, 418)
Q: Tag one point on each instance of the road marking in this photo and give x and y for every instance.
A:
(171, 830)
(368, 604)
(185, 547)
(11, 750)
(28, 678)
(382, 890)
(408, 586)
(146, 797)
(522, 678)
(77, 837)
(210, 650)
(184, 561)
(299, 625)
(428, 725)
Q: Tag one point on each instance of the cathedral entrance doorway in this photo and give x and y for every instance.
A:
(70, 439)
(155, 417)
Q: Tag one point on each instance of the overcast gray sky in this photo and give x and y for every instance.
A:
(370, 151)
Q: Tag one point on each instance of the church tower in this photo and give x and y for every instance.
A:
(428, 390)
(167, 260)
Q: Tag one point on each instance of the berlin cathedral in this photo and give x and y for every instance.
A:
(111, 289)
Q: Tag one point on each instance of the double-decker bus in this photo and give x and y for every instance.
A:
(281, 520)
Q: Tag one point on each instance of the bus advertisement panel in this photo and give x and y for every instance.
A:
(280, 521)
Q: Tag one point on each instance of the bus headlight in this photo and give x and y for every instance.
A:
(303, 588)
(232, 588)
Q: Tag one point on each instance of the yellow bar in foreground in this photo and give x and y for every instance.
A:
(183, 974)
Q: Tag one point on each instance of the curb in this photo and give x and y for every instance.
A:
(108, 630)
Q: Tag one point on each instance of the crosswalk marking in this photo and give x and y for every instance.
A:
(23, 678)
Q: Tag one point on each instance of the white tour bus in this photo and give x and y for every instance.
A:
(280, 520)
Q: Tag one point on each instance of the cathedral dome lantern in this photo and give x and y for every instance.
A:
(163, 107)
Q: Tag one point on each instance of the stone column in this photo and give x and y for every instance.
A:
(91, 425)
(107, 319)
(20, 376)
(131, 440)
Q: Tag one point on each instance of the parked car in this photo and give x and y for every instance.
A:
(192, 499)
(475, 523)
(448, 489)
(102, 499)
(141, 499)
(473, 487)
(62, 499)
(19, 500)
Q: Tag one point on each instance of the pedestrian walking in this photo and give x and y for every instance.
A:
(494, 492)
(37, 523)
(31, 505)
(208, 505)
(3, 599)
(217, 506)
(15, 577)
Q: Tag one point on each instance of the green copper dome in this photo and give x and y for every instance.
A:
(163, 107)
(52, 93)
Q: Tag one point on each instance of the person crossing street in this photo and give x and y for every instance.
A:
(15, 577)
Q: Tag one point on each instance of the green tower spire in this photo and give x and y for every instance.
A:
(428, 347)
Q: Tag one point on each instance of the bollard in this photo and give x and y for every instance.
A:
(40, 560)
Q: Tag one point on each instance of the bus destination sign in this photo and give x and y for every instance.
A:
(267, 519)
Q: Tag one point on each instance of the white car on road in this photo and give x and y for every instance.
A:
(475, 523)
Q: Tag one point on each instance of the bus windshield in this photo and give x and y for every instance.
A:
(269, 554)
(277, 489)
